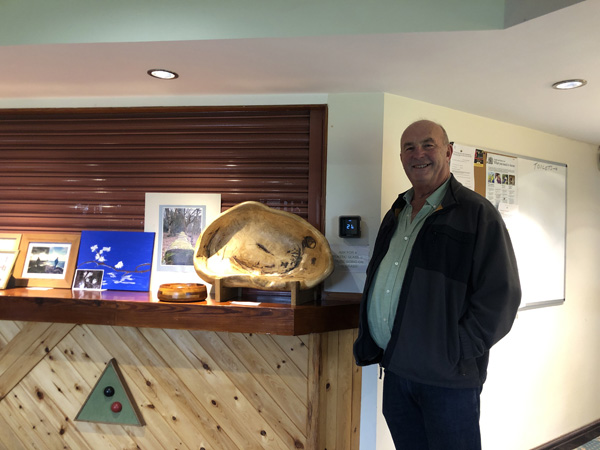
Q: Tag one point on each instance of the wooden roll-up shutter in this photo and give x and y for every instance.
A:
(78, 169)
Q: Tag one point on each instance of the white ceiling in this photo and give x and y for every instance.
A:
(503, 74)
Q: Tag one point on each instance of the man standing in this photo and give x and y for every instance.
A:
(442, 288)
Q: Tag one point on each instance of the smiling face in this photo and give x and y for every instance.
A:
(425, 154)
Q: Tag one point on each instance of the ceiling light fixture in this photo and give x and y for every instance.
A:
(162, 74)
(569, 84)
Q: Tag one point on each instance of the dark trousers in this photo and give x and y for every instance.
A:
(424, 417)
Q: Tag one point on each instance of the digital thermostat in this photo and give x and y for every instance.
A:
(349, 226)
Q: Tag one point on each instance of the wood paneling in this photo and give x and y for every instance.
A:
(196, 389)
(26, 349)
(70, 170)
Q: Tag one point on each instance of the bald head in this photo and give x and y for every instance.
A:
(431, 125)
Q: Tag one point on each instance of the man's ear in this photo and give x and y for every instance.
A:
(449, 152)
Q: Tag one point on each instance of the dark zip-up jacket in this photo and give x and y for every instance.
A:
(460, 294)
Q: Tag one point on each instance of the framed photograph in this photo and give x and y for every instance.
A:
(7, 263)
(9, 241)
(178, 221)
(88, 280)
(47, 259)
(125, 257)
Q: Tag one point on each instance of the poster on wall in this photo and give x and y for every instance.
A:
(350, 258)
(462, 165)
(501, 181)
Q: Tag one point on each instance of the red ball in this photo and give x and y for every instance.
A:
(116, 407)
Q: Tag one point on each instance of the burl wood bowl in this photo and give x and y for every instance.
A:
(252, 245)
(181, 292)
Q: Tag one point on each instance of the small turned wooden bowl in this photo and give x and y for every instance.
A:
(181, 292)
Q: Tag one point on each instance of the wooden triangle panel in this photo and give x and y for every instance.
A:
(111, 401)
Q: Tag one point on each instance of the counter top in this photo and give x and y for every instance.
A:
(335, 311)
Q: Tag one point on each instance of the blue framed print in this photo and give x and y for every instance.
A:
(124, 256)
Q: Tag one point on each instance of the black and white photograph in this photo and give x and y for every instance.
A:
(88, 280)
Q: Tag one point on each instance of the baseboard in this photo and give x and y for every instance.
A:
(572, 437)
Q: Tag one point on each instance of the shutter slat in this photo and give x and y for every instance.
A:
(76, 169)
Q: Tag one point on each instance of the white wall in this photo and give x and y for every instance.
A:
(354, 143)
(542, 380)
(355, 140)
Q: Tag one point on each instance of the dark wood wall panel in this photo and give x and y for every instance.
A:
(76, 169)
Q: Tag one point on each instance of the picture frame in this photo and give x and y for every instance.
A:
(7, 264)
(125, 257)
(199, 210)
(10, 241)
(47, 260)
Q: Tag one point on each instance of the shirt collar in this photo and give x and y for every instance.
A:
(434, 199)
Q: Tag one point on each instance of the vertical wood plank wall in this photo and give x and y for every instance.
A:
(196, 389)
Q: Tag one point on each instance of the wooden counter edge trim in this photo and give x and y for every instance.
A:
(278, 319)
(320, 319)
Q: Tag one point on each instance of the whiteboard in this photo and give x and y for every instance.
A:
(536, 222)
(538, 231)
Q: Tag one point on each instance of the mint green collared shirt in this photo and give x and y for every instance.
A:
(384, 293)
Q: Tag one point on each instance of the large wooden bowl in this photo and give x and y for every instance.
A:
(255, 246)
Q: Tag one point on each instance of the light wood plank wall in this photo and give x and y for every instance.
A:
(196, 389)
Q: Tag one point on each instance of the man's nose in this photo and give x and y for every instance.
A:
(419, 150)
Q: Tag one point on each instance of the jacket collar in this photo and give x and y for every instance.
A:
(450, 199)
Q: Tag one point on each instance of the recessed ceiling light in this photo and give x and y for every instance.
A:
(569, 84)
(162, 74)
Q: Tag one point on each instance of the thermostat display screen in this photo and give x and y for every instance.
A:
(349, 226)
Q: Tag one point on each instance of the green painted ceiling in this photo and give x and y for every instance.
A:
(92, 21)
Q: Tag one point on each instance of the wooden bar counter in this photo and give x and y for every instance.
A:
(205, 375)
(141, 309)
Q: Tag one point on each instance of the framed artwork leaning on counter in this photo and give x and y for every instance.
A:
(47, 259)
